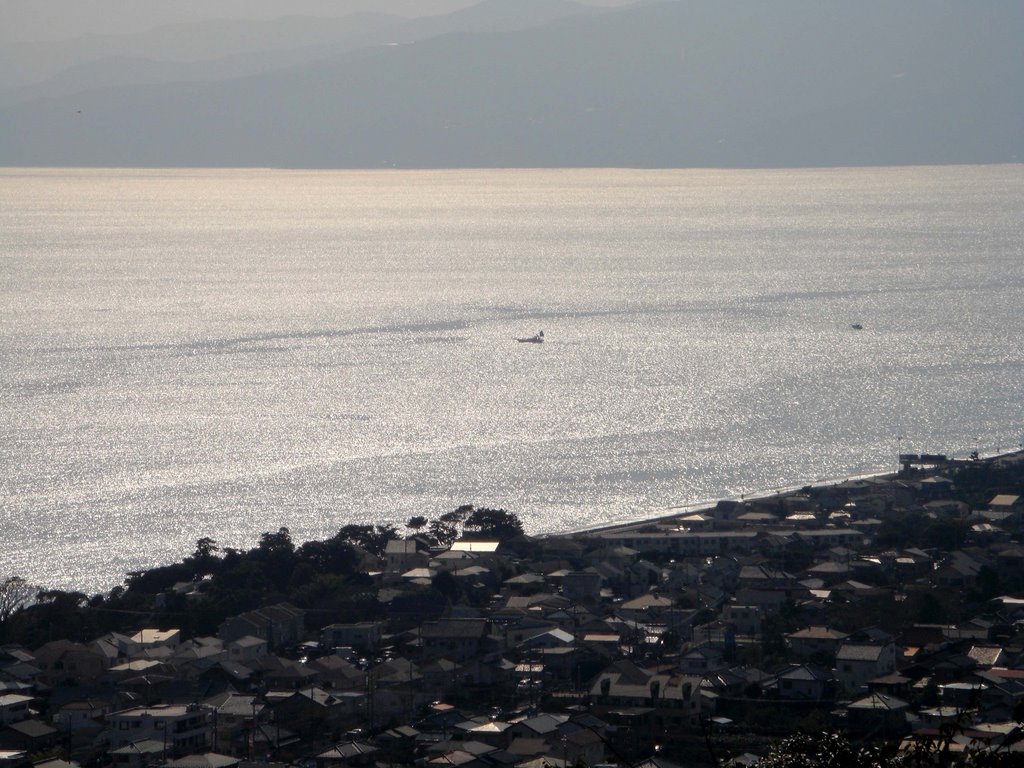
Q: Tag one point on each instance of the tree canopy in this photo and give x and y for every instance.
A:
(485, 523)
(15, 593)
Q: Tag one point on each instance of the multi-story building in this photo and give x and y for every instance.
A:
(183, 729)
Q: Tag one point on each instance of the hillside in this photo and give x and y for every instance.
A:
(675, 84)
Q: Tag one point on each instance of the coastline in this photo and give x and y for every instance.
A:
(660, 516)
(360, 620)
(674, 513)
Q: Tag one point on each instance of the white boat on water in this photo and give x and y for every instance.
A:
(538, 339)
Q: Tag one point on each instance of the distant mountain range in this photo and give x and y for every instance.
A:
(67, 19)
(514, 83)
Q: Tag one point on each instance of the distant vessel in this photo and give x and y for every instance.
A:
(538, 339)
(857, 326)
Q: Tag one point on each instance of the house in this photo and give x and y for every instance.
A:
(147, 639)
(582, 585)
(81, 715)
(17, 664)
(363, 635)
(183, 729)
(802, 682)
(140, 754)
(582, 747)
(116, 647)
(830, 572)
(233, 716)
(555, 638)
(765, 577)
(697, 522)
(312, 711)
(199, 653)
(398, 744)
(348, 753)
(338, 674)
(858, 663)
(646, 607)
(745, 619)
(909, 563)
(14, 708)
(280, 625)
(701, 660)
(605, 645)
(121, 673)
(675, 700)
(33, 736)
(401, 555)
(957, 569)
(756, 519)
(946, 508)
(986, 656)
(1011, 504)
(62, 661)
(285, 674)
(815, 640)
(247, 650)
(484, 547)
(935, 487)
(491, 732)
(877, 713)
(226, 675)
(458, 639)
(399, 695)
(716, 634)
(204, 760)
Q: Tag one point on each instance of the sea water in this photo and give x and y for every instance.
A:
(189, 353)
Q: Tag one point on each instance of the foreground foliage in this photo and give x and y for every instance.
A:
(326, 578)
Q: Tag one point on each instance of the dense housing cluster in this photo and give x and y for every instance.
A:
(890, 609)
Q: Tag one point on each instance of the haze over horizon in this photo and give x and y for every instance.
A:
(53, 20)
(530, 83)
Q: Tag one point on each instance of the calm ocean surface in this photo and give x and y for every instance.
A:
(193, 353)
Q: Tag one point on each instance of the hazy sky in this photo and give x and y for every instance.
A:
(22, 20)
(511, 83)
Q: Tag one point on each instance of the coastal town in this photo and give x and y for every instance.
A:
(888, 610)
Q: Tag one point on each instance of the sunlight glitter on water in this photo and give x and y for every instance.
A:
(191, 353)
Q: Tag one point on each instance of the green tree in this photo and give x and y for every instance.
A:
(444, 533)
(55, 615)
(156, 580)
(15, 593)
(205, 548)
(274, 544)
(373, 538)
(204, 558)
(829, 750)
(333, 556)
(497, 524)
(276, 555)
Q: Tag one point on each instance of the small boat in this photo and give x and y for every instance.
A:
(538, 339)
(857, 326)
